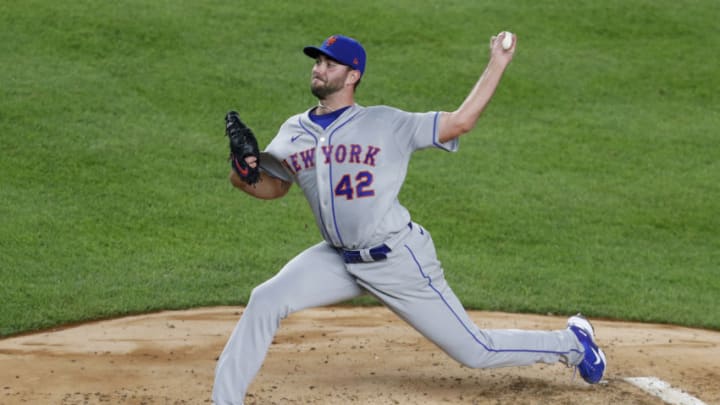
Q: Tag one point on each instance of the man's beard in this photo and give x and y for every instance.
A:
(322, 91)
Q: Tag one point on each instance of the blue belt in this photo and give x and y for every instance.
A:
(376, 254)
(367, 255)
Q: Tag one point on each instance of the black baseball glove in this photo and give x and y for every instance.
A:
(243, 144)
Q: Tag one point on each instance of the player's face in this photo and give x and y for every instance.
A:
(328, 77)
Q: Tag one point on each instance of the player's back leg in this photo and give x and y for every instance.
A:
(412, 284)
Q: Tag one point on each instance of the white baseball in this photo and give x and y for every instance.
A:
(507, 40)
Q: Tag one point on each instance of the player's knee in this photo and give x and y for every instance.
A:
(469, 358)
(264, 300)
(260, 297)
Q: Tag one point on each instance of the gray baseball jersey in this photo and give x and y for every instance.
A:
(352, 171)
(351, 174)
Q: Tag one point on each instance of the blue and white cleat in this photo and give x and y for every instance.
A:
(592, 366)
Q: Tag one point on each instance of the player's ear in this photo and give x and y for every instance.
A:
(353, 77)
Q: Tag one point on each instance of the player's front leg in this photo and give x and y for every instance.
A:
(314, 278)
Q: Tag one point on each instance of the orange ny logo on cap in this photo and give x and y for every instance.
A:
(331, 40)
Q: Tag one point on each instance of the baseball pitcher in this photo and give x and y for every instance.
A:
(350, 161)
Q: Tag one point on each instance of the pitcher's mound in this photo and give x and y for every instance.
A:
(337, 355)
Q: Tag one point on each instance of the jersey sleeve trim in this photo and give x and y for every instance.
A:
(270, 165)
(449, 146)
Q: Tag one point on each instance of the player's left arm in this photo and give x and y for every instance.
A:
(463, 120)
(267, 187)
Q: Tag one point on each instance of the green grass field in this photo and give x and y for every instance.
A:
(592, 182)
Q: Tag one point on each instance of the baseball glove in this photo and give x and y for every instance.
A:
(243, 144)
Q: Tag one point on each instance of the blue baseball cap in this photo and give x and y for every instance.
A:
(342, 49)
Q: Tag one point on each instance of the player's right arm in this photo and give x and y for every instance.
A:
(463, 120)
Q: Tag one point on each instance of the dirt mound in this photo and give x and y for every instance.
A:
(336, 355)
